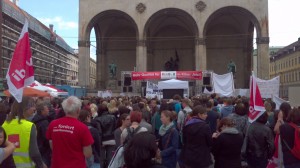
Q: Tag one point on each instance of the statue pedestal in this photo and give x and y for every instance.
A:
(112, 84)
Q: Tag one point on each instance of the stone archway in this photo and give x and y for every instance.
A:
(228, 35)
(170, 33)
(116, 39)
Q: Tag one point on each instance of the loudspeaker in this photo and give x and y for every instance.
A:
(124, 89)
(119, 83)
(206, 80)
(129, 89)
(191, 83)
(127, 81)
(144, 84)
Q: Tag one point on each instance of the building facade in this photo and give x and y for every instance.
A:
(286, 64)
(204, 35)
(50, 53)
(92, 84)
(72, 76)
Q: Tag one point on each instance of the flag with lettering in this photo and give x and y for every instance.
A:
(20, 72)
(256, 104)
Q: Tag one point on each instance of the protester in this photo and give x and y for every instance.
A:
(94, 110)
(227, 144)
(287, 133)
(107, 123)
(41, 122)
(69, 138)
(6, 150)
(213, 117)
(197, 140)
(22, 132)
(227, 108)
(184, 113)
(123, 122)
(240, 118)
(169, 139)
(140, 152)
(134, 128)
(285, 109)
(156, 122)
(260, 143)
(85, 117)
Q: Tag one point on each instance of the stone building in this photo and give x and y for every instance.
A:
(72, 75)
(92, 83)
(286, 63)
(50, 52)
(205, 35)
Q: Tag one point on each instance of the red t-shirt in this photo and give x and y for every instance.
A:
(68, 136)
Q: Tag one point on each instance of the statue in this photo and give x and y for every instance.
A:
(231, 67)
(112, 70)
(172, 65)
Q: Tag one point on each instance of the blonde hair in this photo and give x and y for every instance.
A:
(94, 108)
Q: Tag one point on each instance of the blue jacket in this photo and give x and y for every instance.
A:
(168, 151)
(226, 110)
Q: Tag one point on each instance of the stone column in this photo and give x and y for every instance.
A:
(141, 61)
(84, 63)
(263, 57)
(200, 58)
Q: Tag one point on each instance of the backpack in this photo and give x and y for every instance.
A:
(295, 150)
(130, 134)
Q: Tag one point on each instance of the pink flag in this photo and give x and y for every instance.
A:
(256, 104)
(20, 73)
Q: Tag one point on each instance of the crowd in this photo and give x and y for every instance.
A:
(136, 132)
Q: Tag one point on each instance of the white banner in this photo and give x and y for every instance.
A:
(268, 87)
(152, 90)
(104, 94)
(223, 84)
(278, 101)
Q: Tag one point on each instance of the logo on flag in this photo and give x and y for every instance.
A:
(256, 105)
(20, 72)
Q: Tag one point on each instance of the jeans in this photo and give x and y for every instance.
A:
(106, 153)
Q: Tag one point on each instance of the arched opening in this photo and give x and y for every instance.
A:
(116, 34)
(229, 35)
(170, 34)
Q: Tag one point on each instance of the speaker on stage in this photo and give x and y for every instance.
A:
(127, 81)
(206, 80)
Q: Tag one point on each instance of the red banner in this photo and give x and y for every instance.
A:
(188, 75)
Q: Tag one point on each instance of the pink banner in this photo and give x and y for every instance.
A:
(188, 75)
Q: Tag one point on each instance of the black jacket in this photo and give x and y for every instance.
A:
(42, 124)
(197, 142)
(260, 141)
(107, 123)
(287, 134)
(227, 149)
(97, 142)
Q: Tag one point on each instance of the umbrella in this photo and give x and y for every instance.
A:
(28, 91)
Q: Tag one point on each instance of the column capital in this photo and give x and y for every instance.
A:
(263, 40)
(200, 41)
(84, 43)
(141, 42)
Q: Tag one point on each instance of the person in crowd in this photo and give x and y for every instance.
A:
(112, 108)
(270, 112)
(140, 152)
(6, 150)
(169, 139)
(240, 119)
(184, 114)
(285, 109)
(213, 117)
(176, 103)
(85, 117)
(153, 106)
(41, 122)
(227, 144)
(22, 132)
(123, 122)
(135, 118)
(287, 133)
(259, 142)
(227, 108)
(3, 114)
(145, 112)
(94, 110)
(69, 138)
(123, 110)
(156, 122)
(107, 124)
(197, 140)
(144, 123)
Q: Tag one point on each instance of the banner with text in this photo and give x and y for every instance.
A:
(188, 75)
(152, 90)
(268, 87)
